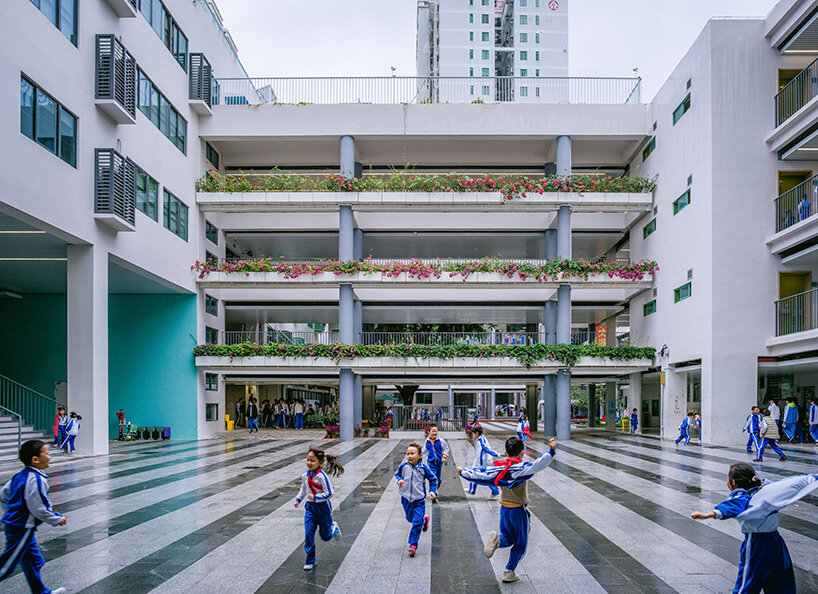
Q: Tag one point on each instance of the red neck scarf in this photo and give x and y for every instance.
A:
(507, 463)
(314, 486)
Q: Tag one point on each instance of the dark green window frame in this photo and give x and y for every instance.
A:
(212, 409)
(155, 106)
(211, 155)
(649, 308)
(211, 305)
(211, 382)
(649, 229)
(147, 194)
(175, 215)
(62, 14)
(211, 233)
(44, 120)
(681, 202)
(684, 106)
(211, 335)
(683, 292)
(166, 27)
(649, 149)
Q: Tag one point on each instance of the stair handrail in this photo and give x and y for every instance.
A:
(13, 414)
(42, 408)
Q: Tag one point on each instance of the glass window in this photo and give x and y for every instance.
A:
(523, 19)
(154, 106)
(471, 35)
(211, 232)
(682, 292)
(68, 137)
(537, 73)
(49, 9)
(471, 71)
(211, 258)
(471, 18)
(523, 37)
(681, 110)
(649, 229)
(536, 39)
(681, 202)
(145, 9)
(27, 108)
(523, 3)
(211, 382)
(537, 57)
(537, 89)
(211, 305)
(46, 121)
(523, 55)
(212, 408)
(172, 127)
(485, 2)
(144, 90)
(181, 50)
(181, 134)
(471, 89)
(523, 91)
(164, 115)
(484, 19)
(471, 54)
(147, 193)
(485, 71)
(523, 72)
(211, 335)
(158, 18)
(68, 20)
(537, 20)
(175, 215)
(484, 36)
(649, 308)
(485, 54)
(649, 149)
(485, 90)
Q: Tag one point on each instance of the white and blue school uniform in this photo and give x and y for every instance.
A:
(753, 426)
(72, 429)
(252, 417)
(25, 498)
(764, 559)
(813, 421)
(61, 423)
(434, 455)
(515, 519)
(684, 430)
(483, 456)
(413, 494)
(790, 421)
(634, 422)
(318, 512)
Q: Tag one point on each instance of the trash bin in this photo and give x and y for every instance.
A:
(165, 432)
(156, 432)
(625, 424)
(229, 423)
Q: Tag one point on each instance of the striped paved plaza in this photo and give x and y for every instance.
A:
(611, 514)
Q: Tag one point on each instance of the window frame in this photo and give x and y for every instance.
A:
(59, 110)
(684, 106)
(649, 229)
(211, 236)
(212, 408)
(677, 292)
(484, 19)
(678, 205)
(57, 21)
(211, 305)
(211, 382)
(162, 113)
(210, 331)
(149, 179)
(648, 150)
(180, 214)
(167, 29)
(649, 308)
(484, 54)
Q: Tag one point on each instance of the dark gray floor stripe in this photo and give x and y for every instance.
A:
(458, 562)
(609, 564)
(152, 571)
(63, 484)
(263, 448)
(57, 547)
(798, 525)
(699, 534)
(351, 515)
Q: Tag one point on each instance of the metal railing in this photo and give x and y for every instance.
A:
(433, 89)
(797, 93)
(15, 417)
(200, 79)
(37, 409)
(796, 204)
(115, 73)
(272, 336)
(796, 313)
(623, 339)
(418, 416)
(428, 261)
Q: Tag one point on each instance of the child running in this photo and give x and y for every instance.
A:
(483, 455)
(765, 562)
(511, 475)
(411, 478)
(72, 429)
(437, 450)
(769, 437)
(25, 499)
(753, 426)
(318, 509)
(684, 429)
(634, 421)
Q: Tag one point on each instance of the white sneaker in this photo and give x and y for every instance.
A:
(308, 566)
(492, 544)
(336, 532)
(510, 576)
(59, 591)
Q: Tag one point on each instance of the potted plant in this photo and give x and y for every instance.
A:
(384, 431)
(357, 430)
(333, 431)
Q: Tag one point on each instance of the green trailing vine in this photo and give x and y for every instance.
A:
(528, 355)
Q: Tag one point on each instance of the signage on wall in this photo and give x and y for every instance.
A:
(553, 5)
(676, 408)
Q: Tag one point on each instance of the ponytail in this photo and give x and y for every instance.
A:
(332, 464)
(743, 476)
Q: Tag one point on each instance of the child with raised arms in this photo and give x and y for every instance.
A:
(411, 478)
(511, 475)
(764, 562)
(317, 488)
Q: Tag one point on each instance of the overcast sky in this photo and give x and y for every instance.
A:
(366, 37)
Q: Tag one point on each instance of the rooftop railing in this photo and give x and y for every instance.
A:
(797, 93)
(796, 204)
(440, 89)
(796, 313)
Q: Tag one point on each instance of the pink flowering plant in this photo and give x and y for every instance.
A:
(419, 269)
(528, 355)
(508, 186)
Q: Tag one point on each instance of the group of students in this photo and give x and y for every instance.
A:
(278, 415)
(765, 427)
(66, 428)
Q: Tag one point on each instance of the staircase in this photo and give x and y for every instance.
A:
(9, 430)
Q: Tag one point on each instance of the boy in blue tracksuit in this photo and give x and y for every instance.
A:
(634, 421)
(684, 428)
(511, 475)
(317, 489)
(753, 426)
(25, 499)
(411, 478)
(483, 456)
(437, 450)
(813, 420)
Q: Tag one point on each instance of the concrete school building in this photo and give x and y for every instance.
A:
(124, 105)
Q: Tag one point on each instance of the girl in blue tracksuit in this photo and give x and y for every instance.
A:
(684, 429)
(813, 420)
(411, 478)
(483, 456)
(765, 562)
(437, 450)
(634, 421)
(72, 429)
(317, 488)
(753, 426)
(511, 475)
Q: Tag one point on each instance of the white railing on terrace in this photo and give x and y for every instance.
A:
(411, 89)
(427, 261)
